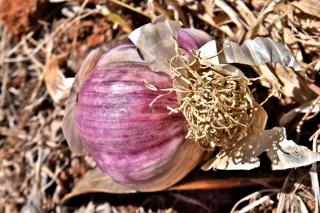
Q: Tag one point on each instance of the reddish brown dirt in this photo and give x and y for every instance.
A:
(21, 16)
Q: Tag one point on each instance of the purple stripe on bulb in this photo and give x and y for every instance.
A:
(121, 131)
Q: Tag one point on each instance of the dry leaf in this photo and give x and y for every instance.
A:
(303, 206)
(157, 41)
(283, 153)
(311, 106)
(245, 12)
(287, 154)
(268, 79)
(115, 18)
(294, 86)
(58, 86)
(95, 181)
(224, 162)
(257, 52)
(311, 7)
(234, 18)
(33, 203)
(208, 53)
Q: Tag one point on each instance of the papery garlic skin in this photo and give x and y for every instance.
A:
(137, 145)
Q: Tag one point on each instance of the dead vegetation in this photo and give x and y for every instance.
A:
(43, 43)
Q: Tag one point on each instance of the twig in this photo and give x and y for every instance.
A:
(235, 19)
(4, 68)
(262, 15)
(313, 171)
(306, 117)
(255, 203)
(129, 7)
(180, 12)
(62, 28)
(282, 194)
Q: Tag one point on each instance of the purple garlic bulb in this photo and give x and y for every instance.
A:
(138, 145)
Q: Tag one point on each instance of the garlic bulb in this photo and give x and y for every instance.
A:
(144, 111)
(136, 144)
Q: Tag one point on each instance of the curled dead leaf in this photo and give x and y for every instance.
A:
(283, 153)
(57, 84)
(258, 51)
(287, 154)
(311, 7)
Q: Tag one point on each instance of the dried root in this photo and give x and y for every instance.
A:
(217, 106)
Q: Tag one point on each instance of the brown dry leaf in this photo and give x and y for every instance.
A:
(216, 22)
(245, 12)
(234, 18)
(115, 18)
(95, 181)
(258, 4)
(311, 7)
(268, 79)
(293, 85)
(310, 106)
(221, 181)
(270, 7)
(58, 86)
(208, 6)
(221, 21)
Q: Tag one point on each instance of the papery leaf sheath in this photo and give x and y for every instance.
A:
(257, 52)
(69, 120)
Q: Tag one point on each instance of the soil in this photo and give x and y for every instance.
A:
(22, 16)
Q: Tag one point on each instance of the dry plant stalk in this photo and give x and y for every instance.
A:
(217, 105)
